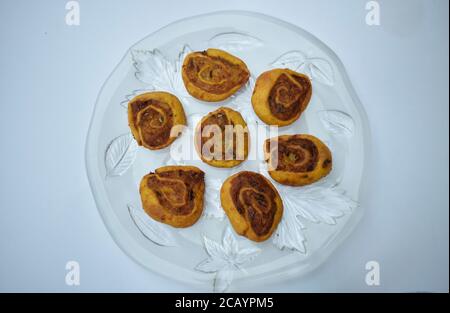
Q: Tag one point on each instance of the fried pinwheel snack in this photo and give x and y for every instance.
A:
(154, 119)
(297, 160)
(252, 205)
(174, 195)
(280, 96)
(222, 138)
(213, 75)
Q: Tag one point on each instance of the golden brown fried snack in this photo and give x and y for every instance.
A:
(252, 205)
(155, 119)
(280, 96)
(222, 138)
(297, 160)
(174, 195)
(213, 75)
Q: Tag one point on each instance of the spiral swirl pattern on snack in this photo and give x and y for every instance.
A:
(297, 159)
(174, 194)
(280, 96)
(153, 118)
(222, 138)
(213, 75)
(252, 204)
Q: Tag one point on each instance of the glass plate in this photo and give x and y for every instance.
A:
(209, 254)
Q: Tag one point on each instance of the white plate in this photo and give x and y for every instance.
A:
(209, 254)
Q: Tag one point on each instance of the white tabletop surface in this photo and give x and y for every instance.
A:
(51, 74)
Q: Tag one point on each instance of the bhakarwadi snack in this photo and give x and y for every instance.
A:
(280, 96)
(252, 205)
(155, 119)
(174, 195)
(222, 138)
(297, 160)
(213, 75)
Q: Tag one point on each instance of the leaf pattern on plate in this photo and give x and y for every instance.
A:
(316, 204)
(337, 122)
(156, 232)
(225, 258)
(120, 155)
(317, 69)
(292, 60)
(133, 94)
(158, 72)
(320, 70)
(234, 41)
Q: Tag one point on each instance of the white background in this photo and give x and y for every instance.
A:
(51, 74)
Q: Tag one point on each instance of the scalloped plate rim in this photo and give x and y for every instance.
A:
(191, 276)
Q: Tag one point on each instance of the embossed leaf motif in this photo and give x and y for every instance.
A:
(178, 80)
(158, 233)
(233, 41)
(315, 204)
(289, 233)
(133, 94)
(120, 155)
(156, 70)
(320, 70)
(317, 69)
(225, 258)
(337, 122)
(292, 60)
